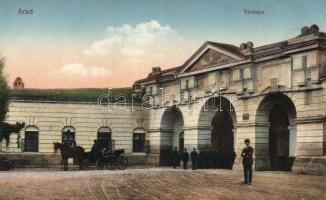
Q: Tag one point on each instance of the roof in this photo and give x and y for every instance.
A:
(228, 47)
(273, 49)
(73, 95)
(165, 74)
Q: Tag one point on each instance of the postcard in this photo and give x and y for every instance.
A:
(162, 99)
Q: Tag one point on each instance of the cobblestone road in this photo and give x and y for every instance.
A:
(158, 183)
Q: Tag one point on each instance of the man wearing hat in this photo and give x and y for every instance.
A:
(247, 162)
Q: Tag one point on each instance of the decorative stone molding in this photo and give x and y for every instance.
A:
(253, 124)
(311, 119)
(160, 130)
(197, 128)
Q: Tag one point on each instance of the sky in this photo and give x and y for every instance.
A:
(112, 43)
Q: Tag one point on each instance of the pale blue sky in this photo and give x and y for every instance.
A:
(68, 43)
(196, 20)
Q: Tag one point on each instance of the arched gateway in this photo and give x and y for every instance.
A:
(276, 133)
(172, 134)
(218, 114)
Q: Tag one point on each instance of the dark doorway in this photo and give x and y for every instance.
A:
(222, 139)
(279, 138)
(181, 142)
(171, 126)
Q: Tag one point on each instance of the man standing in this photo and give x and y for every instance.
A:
(185, 158)
(194, 158)
(175, 157)
(247, 162)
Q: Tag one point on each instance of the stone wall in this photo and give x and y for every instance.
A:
(51, 117)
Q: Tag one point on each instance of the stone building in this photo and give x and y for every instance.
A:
(273, 94)
(75, 116)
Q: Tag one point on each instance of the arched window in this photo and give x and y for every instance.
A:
(31, 139)
(68, 136)
(104, 140)
(138, 140)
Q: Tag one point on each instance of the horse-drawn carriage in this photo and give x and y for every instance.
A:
(100, 158)
(110, 159)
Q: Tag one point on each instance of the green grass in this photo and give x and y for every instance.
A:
(75, 95)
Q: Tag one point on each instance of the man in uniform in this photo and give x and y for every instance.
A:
(194, 158)
(185, 158)
(247, 162)
(175, 157)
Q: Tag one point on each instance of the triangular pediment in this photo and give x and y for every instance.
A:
(209, 55)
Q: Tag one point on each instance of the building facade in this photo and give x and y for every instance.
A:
(273, 95)
(79, 123)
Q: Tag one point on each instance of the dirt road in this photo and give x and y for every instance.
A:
(159, 183)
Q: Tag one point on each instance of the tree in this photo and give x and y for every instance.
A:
(5, 128)
(4, 92)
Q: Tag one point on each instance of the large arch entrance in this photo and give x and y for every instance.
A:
(172, 134)
(222, 138)
(279, 140)
(219, 114)
(276, 114)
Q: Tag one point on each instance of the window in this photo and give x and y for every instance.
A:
(68, 136)
(150, 90)
(104, 138)
(138, 140)
(31, 139)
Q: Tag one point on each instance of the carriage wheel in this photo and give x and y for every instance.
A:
(122, 163)
(99, 164)
(111, 163)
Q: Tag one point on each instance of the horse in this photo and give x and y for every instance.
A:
(77, 153)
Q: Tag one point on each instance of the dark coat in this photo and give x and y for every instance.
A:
(194, 156)
(175, 155)
(185, 156)
(246, 155)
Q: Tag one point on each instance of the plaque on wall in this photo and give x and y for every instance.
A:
(245, 116)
